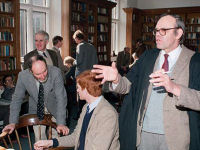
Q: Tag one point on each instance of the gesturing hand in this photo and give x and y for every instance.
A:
(106, 73)
(159, 78)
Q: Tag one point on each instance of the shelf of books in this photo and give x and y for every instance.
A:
(94, 19)
(9, 36)
(147, 19)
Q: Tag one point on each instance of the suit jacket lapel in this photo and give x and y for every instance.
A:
(47, 85)
(96, 110)
(33, 88)
(181, 63)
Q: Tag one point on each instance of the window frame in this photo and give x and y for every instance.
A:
(30, 8)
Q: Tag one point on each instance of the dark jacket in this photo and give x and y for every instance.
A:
(128, 115)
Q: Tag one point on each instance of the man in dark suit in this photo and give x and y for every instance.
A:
(86, 57)
(57, 44)
(123, 61)
(55, 97)
(86, 53)
(159, 88)
(41, 41)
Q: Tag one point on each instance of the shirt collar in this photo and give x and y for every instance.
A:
(94, 104)
(174, 53)
(173, 57)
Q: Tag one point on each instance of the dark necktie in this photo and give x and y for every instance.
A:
(44, 54)
(165, 65)
(88, 109)
(40, 104)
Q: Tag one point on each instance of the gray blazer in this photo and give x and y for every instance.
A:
(55, 97)
(176, 120)
(86, 57)
(102, 132)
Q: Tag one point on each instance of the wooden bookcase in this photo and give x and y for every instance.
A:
(141, 22)
(9, 37)
(93, 17)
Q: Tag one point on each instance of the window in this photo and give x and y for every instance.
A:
(115, 24)
(34, 16)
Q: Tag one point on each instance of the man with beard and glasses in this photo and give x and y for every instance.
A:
(40, 80)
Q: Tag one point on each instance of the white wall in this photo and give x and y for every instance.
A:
(55, 19)
(150, 4)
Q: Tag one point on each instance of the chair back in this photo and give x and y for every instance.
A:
(26, 121)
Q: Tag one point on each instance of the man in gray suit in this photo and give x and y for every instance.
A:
(55, 98)
(86, 53)
(97, 127)
(158, 87)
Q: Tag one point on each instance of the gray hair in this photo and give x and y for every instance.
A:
(179, 24)
(44, 33)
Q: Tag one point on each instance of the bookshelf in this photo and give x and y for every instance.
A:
(142, 22)
(9, 38)
(93, 17)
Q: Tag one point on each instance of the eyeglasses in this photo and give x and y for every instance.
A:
(162, 31)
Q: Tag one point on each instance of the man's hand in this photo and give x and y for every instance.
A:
(160, 78)
(62, 129)
(107, 73)
(9, 128)
(43, 144)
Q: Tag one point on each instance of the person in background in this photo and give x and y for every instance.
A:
(41, 41)
(123, 61)
(8, 87)
(162, 88)
(97, 127)
(140, 48)
(86, 57)
(70, 86)
(47, 95)
(57, 44)
(86, 53)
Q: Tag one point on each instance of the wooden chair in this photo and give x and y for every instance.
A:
(30, 120)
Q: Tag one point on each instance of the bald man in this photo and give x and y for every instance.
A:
(55, 97)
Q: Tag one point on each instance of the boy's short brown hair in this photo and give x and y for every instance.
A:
(87, 80)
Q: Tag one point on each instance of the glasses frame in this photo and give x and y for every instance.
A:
(164, 30)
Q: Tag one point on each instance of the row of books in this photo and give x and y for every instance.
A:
(79, 6)
(6, 21)
(6, 36)
(6, 7)
(147, 28)
(102, 57)
(8, 64)
(101, 48)
(151, 19)
(102, 38)
(91, 29)
(194, 20)
(77, 17)
(192, 36)
(76, 27)
(102, 11)
(102, 27)
(193, 28)
(102, 19)
(6, 50)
